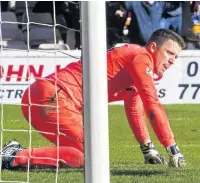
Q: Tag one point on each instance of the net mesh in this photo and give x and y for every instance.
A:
(33, 44)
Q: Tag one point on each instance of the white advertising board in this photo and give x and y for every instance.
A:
(180, 84)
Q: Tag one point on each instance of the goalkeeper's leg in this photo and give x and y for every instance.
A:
(13, 156)
(66, 121)
(62, 126)
(47, 157)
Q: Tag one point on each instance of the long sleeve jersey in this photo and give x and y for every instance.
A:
(130, 74)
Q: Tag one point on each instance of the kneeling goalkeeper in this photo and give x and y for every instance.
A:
(53, 106)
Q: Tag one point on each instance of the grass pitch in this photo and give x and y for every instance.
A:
(126, 161)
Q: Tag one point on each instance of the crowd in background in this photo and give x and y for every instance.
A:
(135, 21)
(127, 21)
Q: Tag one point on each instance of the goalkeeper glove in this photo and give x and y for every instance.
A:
(151, 156)
(176, 159)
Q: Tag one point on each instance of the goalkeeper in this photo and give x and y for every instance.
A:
(130, 70)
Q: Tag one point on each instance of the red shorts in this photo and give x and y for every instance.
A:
(54, 116)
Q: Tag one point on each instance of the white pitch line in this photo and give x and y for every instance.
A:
(190, 145)
(180, 119)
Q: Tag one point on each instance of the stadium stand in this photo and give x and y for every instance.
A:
(64, 24)
(42, 31)
(19, 8)
(11, 35)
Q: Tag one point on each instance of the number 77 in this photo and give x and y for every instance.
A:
(185, 86)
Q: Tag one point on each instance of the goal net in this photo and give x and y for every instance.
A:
(37, 38)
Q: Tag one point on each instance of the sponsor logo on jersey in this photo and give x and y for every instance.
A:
(149, 71)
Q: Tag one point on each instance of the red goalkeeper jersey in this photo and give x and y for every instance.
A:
(129, 71)
(129, 65)
(120, 62)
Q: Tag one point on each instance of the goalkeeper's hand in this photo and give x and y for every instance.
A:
(176, 159)
(153, 157)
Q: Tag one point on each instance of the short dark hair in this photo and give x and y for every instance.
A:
(161, 35)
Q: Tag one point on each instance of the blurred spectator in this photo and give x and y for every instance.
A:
(146, 18)
(191, 25)
(72, 17)
(173, 19)
(127, 21)
(117, 26)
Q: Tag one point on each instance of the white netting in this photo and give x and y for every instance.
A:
(33, 44)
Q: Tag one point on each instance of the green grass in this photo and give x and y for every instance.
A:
(126, 161)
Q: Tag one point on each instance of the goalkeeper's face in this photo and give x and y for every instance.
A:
(165, 55)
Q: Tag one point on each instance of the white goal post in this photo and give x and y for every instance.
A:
(95, 92)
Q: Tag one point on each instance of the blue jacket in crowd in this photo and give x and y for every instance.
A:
(146, 18)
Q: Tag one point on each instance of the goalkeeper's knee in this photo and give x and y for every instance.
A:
(176, 159)
(151, 156)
